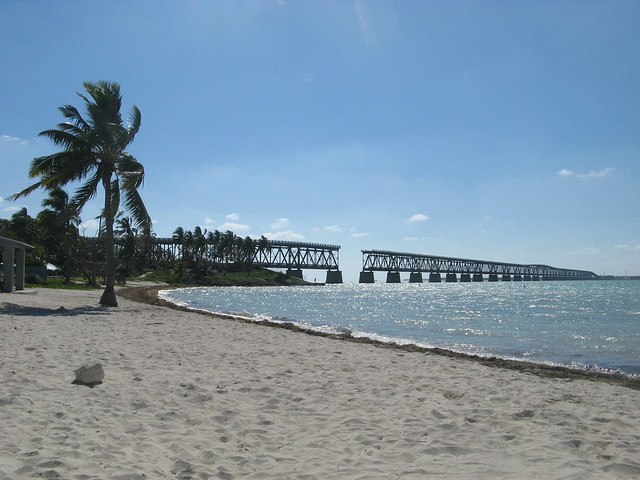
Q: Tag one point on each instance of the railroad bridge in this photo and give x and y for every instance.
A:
(294, 256)
(454, 269)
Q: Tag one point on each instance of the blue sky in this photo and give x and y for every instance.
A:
(494, 130)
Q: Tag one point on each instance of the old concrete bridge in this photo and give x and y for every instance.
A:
(451, 269)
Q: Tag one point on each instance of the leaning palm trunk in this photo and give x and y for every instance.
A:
(94, 152)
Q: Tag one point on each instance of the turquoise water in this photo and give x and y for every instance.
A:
(589, 324)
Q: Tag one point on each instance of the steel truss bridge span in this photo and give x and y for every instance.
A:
(462, 269)
(294, 256)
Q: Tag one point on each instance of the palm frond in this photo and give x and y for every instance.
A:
(25, 192)
(65, 138)
(134, 204)
(85, 192)
(135, 119)
(72, 113)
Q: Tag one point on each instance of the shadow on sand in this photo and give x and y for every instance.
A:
(23, 311)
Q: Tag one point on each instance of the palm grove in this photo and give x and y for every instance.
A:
(94, 156)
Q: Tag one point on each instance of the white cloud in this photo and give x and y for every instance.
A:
(360, 234)
(92, 224)
(593, 174)
(234, 227)
(418, 217)
(11, 209)
(597, 174)
(208, 221)
(333, 228)
(233, 216)
(280, 223)
(411, 239)
(286, 235)
(627, 247)
(487, 217)
(9, 139)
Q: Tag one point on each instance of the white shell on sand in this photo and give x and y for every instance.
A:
(89, 374)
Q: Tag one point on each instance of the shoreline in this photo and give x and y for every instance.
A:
(189, 395)
(149, 295)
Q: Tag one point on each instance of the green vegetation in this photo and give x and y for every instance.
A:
(253, 277)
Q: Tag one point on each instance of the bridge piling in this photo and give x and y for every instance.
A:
(434, 277)
(451, 278)
(295, 272)
(334, 276)
(366, 277)
(393, 277)
(415, 277)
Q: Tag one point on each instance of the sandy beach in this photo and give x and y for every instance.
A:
(190, 396)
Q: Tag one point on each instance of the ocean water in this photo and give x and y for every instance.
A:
(584, 324)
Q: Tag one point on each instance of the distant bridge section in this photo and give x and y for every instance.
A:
(462, 269)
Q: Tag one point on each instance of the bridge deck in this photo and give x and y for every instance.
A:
(383, 260)
(275, 254)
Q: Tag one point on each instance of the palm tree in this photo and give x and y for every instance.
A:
(59, 222)
(128, 235)
(94, 152)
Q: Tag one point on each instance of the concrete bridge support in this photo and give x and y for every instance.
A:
(451, 278)
(517, 277)
(334, 276)
(465, 277)
(535, 278)
(295, 272)
(493, 277)
(527, 278)
(435, 277)
(367, 277)
(506, 277)
(415, 277)
(393, 277)
(477, 277)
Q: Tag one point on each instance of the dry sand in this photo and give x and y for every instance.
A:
(186, 395)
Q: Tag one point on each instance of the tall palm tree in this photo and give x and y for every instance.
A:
(94, 153)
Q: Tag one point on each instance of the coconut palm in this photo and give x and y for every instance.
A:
(94, 153)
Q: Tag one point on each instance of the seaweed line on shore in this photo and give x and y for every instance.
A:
(149, 295)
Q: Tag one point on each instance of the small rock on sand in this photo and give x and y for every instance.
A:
(90, 374)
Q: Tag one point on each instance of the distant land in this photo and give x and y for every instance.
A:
(624, 277)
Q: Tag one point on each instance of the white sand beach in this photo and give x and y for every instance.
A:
(189, 396)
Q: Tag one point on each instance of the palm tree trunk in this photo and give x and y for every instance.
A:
(109, 295)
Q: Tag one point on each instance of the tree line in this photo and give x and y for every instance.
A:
(55, 233)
